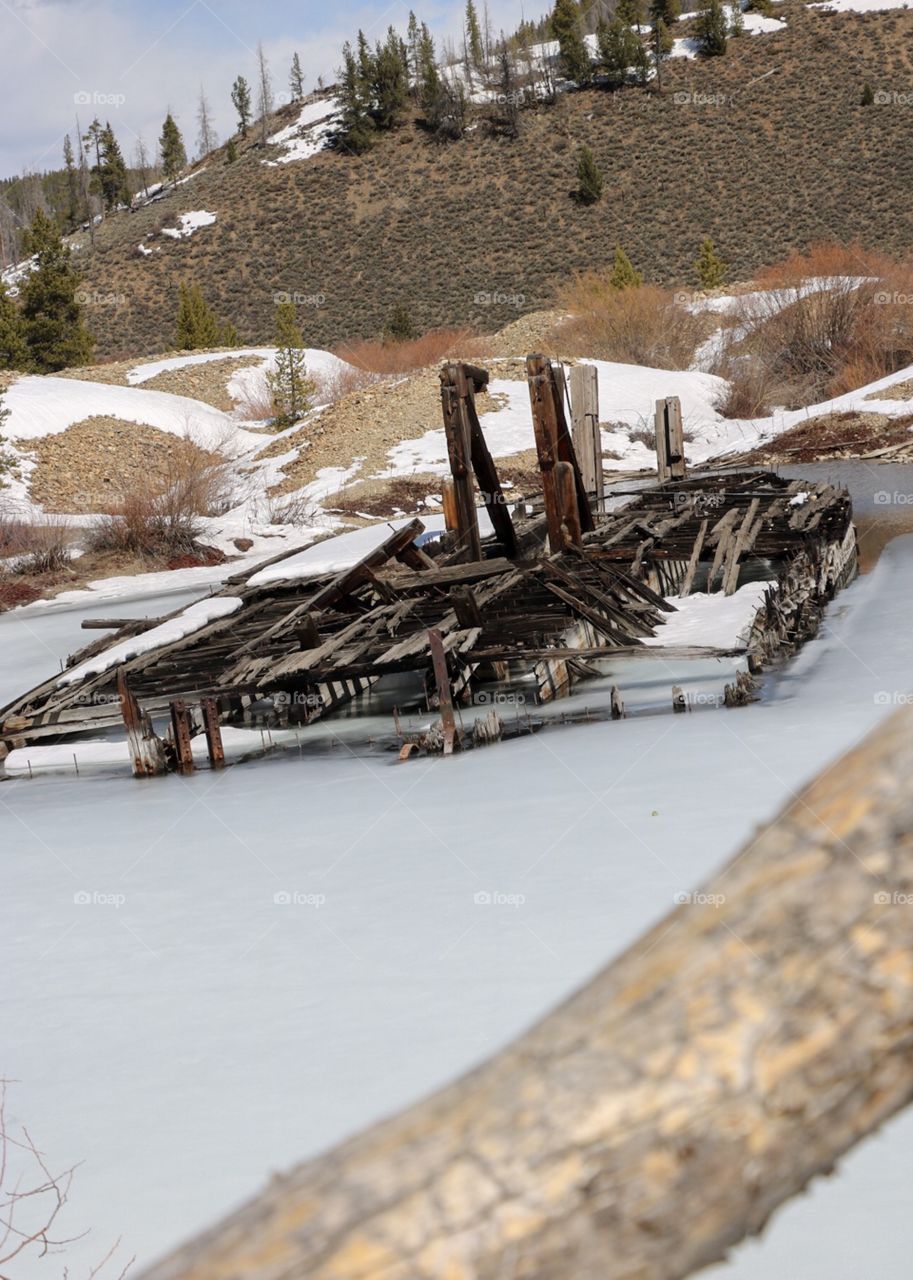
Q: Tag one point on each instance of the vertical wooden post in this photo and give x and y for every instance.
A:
(459, 449)
(210, 711)
(146, 752)
(566, 450)
(567, 501)
(546, 432)
(180, 733)
(670, 441)
(444, 691)
(584, 380)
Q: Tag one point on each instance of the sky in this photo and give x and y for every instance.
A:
(131, 60)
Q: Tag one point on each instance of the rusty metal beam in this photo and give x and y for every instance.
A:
(180, 736)
(209, 709)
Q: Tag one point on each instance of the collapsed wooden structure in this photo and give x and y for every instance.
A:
(557, 587)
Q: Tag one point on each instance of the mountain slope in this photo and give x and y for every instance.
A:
(477, 231)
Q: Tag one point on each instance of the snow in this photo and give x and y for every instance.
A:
(189, 223)
(143, 372)
(757, 24)
(860, 6)
(89, 754)
(715, 620)
(172, 629)
(200, 988)
(43, 406)
(308, 134)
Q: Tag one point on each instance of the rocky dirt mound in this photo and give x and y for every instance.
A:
(836, 435)
(205, 382)
(88, 467)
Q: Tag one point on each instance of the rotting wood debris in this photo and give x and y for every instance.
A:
(560, 584)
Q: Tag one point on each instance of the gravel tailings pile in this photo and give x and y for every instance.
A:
(86, 468)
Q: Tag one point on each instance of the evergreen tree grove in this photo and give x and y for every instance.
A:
(52, 318)
(291, 389)
(620, 49)
(589, 178)
(711, 269)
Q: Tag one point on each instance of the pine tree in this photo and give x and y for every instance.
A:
(241, 101)
(171, 147)
(631, 12)
(661, 44)
(413, 42)
(711, 28)
(73, 214)
(296, 80)
(736, 19)
(52, 318)
(290, 387)
(711, 269)
(231, 151)
(265, 102)
(13, 350)
(207, 138)
(356, 122)
(141, 163)
(589, 178)
(399, 326)
(198, 326)
(389, 88)
(666, 11)
(868, 95)
(573, 57)
(623, 274)
(428, 77)
(474, 37)
(620, 49)
(111, 172)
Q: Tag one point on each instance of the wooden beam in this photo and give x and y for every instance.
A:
(444, 691)
(584, 384)
(454, 389)
(727, 1058)
(670, 440)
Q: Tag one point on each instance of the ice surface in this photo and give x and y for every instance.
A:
(200, 1035)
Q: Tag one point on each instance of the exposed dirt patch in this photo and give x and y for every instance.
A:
(206, 382)
(368, 424)
(899, 391)
(87, 467)
(835, 435)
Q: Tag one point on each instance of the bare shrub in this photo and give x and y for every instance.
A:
(256, 401)
(290, 508)
(164, 519)
(825, 322)
(32, 1197)
(646, 325)
(748, 393)
(34, 547)
(342, 380)
(386, 358)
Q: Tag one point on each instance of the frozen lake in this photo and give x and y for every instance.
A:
(185, 1034)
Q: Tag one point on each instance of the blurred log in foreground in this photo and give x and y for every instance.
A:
(662, 1113)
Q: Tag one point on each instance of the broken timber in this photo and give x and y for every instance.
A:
(475, 609)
